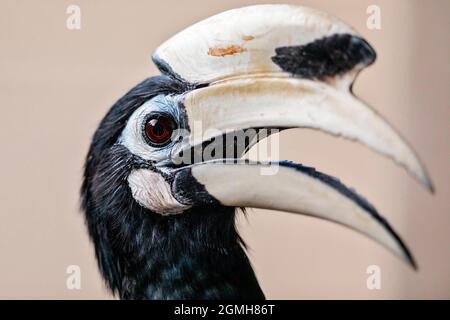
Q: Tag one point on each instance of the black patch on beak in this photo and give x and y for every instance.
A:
(167, 70)
(351, 194)
(326, 57)
(195, 193)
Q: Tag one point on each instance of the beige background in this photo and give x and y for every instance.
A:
(56, 84)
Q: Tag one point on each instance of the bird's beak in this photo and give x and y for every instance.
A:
(278, 66)
(294, 188)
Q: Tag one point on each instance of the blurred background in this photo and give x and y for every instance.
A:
(56, 84)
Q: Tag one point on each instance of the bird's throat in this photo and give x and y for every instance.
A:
(194, 255)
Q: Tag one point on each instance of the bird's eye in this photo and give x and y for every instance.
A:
(159, 129)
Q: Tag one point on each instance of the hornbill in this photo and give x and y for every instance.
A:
(163, 226)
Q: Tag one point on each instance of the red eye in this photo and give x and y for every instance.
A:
(159, 129)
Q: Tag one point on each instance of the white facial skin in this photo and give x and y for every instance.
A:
(152, 191)
(133, 136)
(149, 188)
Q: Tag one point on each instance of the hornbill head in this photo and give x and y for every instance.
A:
(163, 175)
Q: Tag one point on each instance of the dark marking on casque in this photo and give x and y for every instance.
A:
(326, 57)
(167, 70)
